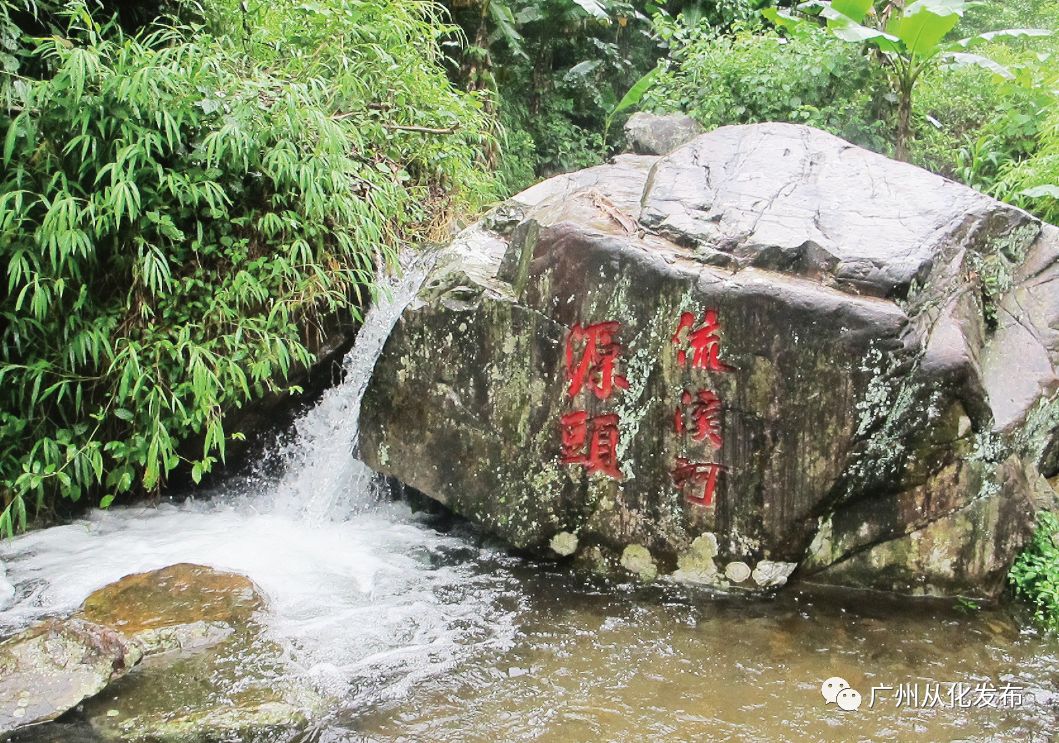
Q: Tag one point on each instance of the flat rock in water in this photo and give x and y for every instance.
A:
(179, 607)
(239, 689)
(57, 664)
(210, 674)
(830, 364)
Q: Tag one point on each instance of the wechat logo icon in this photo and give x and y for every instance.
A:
(837, 690)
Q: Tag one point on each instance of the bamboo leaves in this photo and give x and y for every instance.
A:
(163, 258)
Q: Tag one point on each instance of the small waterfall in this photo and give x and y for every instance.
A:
(367, 599)
(323, 480)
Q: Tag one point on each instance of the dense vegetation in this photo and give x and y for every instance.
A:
(194, 194)
(984, 115)
(183, 209)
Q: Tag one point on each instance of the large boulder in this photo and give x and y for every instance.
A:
(768, 351)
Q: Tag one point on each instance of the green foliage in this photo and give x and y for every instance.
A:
(559, 68)
(984, 16)
(181, 212)
(757, 75)
(559, 81)
(550, 136)
(971, 124)
(910, 40)
(1035, 574)
(631, 98)
(1034, 182)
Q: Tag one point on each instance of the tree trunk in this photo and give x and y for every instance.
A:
(477, 70)
(904, 123)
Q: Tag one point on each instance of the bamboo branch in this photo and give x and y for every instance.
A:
(423, 129)
(404, 128)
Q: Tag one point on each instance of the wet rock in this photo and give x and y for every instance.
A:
(233, 691)
(564, 543)
(768, 574)
(7, 591)
(815, 354)
(55, 665)
(737, 572)
(697, 565)
(179, 607)
(651, 134)
(210, 674)
(637, 559)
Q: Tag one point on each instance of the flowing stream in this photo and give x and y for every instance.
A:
(422, 634)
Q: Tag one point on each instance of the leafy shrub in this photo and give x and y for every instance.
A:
(1035, 574)
(760, 75)
(517, 169)
(180, 212)
(1034, 182)
(971, 124)
(985, 16)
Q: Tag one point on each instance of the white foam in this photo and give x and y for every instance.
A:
(360, 592)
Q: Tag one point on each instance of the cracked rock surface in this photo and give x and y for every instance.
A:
(888, 344)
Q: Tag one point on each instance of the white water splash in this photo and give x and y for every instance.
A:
(323, 481)
(367, 599)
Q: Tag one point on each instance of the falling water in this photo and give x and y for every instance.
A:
(322, 479)
(358, 588)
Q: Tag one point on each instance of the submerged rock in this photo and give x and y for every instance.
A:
(55, 665)
(212, 676)
(208, 672)
(820, 356)
(240, 689)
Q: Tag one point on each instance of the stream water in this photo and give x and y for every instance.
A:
(434, 634)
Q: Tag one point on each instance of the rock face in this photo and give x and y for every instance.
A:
(54, 666)
(651, 134)
(768, 351)
(209, 675)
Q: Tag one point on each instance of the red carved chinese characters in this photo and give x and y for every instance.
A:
(704, 342)
(591, 441)
(699, 414)
(594, 366)
(697, 481)
(591, 359)
(704, 412)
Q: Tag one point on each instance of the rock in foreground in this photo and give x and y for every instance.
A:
(769, 351)
(179, 607)
(208, 672)
(55, 665)
(210, 676)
